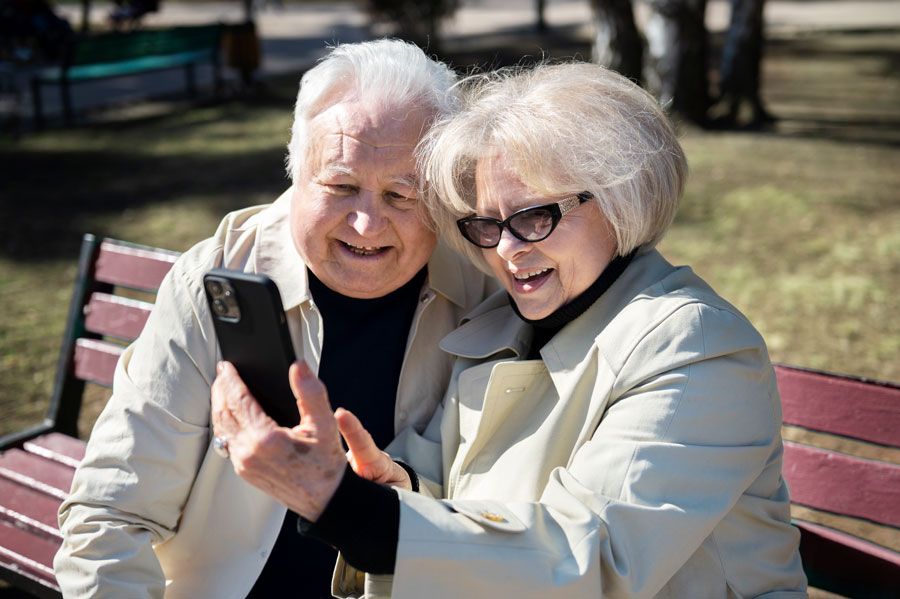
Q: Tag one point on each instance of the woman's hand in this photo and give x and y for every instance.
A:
(364, 456)
(301, 467)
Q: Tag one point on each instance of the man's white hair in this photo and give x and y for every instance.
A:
(387, 72)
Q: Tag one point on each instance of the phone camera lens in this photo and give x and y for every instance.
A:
(220, 307)
(215, 288)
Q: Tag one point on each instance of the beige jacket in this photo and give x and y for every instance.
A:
(153, 510)
(640, 458)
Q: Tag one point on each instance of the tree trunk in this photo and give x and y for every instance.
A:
(85, 16)
(677, 62)
(617, 43)
(541, 24)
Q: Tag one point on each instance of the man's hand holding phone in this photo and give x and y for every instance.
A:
(300, 466)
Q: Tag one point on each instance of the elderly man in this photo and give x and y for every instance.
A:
(368, 293)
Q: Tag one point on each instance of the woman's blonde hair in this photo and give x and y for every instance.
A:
(565, 128)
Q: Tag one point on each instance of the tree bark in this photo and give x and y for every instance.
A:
(678, 57)
(617, 43)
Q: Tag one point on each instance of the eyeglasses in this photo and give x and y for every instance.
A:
(529, 224)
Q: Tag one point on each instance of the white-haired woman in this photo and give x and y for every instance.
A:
(612, 428)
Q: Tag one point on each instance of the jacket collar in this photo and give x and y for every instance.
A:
(493, 327)
(277, 257)
(490, 329)
(573, 342)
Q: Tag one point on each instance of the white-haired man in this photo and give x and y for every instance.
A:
(368, 293)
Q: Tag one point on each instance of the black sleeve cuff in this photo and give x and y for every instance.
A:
(413, 477)
(362, 521)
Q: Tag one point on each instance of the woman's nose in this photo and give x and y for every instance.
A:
(510, 246)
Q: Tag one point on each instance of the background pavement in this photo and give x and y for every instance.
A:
(293, 36)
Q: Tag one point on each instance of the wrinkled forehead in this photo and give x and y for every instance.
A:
(367, 131)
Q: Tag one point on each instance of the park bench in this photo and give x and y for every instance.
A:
(855, 491)
(37, 464)
(117, 54)
(115, 285)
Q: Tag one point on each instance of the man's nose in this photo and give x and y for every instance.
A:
(366, 217)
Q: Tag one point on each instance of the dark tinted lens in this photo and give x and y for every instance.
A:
(533, 225)
(482, 232)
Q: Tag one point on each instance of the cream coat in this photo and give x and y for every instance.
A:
(153, 510)
(640, 458)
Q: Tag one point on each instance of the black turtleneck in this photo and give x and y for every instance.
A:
(362, 353)
(362, 520)
(546, 328)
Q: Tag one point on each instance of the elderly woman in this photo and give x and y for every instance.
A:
(612, 428)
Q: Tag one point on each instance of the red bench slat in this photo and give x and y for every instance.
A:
(33, 554)
(116, 316)
(95, 360)
(47, 476)
(843, 484)
(135, 267)
(844, 561)
(29, 508)
(58, 447)
(840, 405)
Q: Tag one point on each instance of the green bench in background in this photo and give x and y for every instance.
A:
(107, 55)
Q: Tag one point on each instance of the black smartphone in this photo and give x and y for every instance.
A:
(253, 335)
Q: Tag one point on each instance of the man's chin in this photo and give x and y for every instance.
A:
(366, 286)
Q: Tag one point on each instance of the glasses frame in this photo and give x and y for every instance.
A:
(557, 211)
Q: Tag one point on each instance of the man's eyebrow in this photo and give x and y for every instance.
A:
(409, 180)
(339, 168)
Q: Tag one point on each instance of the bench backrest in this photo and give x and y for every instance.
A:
(37, 465)
(834, 482)
(118, 46)
(104, 316)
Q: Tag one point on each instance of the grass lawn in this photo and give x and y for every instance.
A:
(798, 226)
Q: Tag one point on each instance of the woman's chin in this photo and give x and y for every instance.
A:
(533, 310)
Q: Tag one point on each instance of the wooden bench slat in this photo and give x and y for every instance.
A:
(135, 267)
(116, 316)
(57, 447)
(843, 484)
(840, 405)
(844, 564)
(33, 554)
(49, 477)
(29, 508)
(95, 360)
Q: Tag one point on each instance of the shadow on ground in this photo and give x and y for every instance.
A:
(49, 197)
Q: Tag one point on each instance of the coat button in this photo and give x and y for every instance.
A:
(492, 517)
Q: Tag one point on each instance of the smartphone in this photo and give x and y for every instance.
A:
(253, 335)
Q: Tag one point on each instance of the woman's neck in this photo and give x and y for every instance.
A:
(545, 328)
